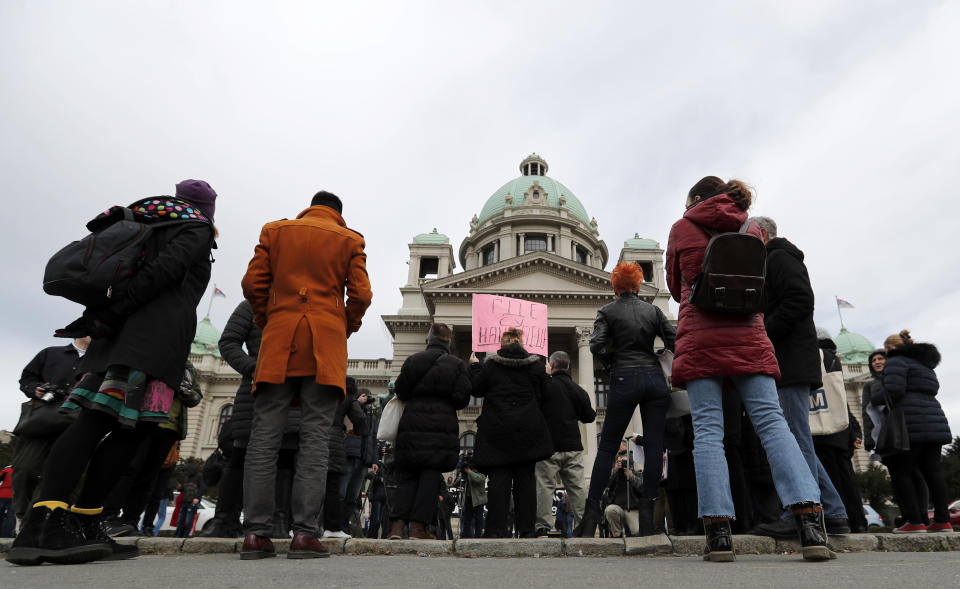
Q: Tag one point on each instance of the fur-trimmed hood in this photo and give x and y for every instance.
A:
(510, 356)
(926, 354)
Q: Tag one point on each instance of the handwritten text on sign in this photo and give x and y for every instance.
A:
(492, 315)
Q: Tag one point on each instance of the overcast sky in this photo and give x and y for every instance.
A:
(843, 116)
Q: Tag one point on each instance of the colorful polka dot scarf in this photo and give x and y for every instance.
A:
(167, 208)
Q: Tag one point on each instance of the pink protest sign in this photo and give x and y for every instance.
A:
(492, 315)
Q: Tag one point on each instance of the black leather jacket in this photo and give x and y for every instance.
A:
(624, 331)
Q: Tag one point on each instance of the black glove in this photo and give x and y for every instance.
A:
(82, 327)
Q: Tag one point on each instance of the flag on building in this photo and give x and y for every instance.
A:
(219, 293)
(844, 304)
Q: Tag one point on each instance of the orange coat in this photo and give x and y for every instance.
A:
(298, 276)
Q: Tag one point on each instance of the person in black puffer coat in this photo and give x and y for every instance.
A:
(337, 462)
(512, 433)
(241, 332)
(911, 383)
(434, 385)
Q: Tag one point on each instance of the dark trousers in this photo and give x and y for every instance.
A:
(519, 482)
(132, 492)
(926, 458)
(185, 521)
(629, 388)
(83, 445)
(332, 505)
(350, 486)
(416, 499)
(839, 468)
(29, 457)
(7, 519)
(376, 518)
(471, 519)
(230, 502)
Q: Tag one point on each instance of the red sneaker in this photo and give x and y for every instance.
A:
(944, 527)
(909, 528)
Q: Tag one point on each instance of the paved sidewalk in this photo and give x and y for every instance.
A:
(550, 547)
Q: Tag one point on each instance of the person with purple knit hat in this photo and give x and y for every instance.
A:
(132, 369)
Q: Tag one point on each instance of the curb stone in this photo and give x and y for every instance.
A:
(506, 547)
(594, 547)
(937, 542)
(160, 545)
(656, 544)
(384, 547)
(208, 545)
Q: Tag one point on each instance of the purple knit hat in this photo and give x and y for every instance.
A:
(200, 194)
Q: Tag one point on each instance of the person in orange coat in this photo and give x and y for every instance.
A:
(296, 283)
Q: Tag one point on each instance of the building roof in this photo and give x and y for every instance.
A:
(519, 186)
(207, 339)
(641, 243)
(853, 347)
(432, 238)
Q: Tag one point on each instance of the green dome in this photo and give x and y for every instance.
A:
(207, 339)
(432, 238)
(519, 186)
(641, 243)
(853, 347)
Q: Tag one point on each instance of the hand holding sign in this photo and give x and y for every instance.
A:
(492, 315)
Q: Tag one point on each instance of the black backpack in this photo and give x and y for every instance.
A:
(94, 269)
(732, 275)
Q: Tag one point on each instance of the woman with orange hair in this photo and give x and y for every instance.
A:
(623, 336)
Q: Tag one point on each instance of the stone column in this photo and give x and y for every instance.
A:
(480, 258)
(496, 251)
(523, 244)
(585, 380)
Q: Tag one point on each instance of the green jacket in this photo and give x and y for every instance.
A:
(478, 488)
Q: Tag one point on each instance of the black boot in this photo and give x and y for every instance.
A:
(645, 517)
(813, 533)
(719, 540)
(54, 535)
(592, 514)
(93, 527)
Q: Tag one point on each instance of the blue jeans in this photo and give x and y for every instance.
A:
(185, 520)
(795, 402)
(795, 484)
(350, 486)
(629, 388)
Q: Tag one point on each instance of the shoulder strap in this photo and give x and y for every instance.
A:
(745, 226)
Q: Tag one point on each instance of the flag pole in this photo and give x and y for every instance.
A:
(837, 299)
(210, 306)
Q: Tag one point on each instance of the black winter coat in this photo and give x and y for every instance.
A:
(909, 379)
(240, 331)
(159, 306)
(624, 332)
(565, 406)
(57, 365)
(350, 409)
(511, 428)
(866, 396)
(789, 315)
(434, 385)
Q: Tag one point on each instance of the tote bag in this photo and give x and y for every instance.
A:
(894, 438)
(390, 420)
(828, 405)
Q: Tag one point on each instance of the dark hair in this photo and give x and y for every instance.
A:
(441, 331)
(327, 199)
(710, 186)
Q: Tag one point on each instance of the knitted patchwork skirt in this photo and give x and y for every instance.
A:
(126, 393)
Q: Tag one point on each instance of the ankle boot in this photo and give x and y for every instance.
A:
(591, 519)
(813, 533)
(645, 517)
(52, 534)
(418, 531)
(94, 528)
(396, 529)
(719, 540)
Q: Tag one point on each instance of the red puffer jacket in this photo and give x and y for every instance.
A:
(712, 344)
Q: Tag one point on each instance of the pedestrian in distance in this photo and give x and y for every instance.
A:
(788, 319)
(566, 406)
(134, 366)
(296, 282)
(351, 410)
(512, 433)
(623, 337)
(911, 383)
(716, 348)
(434, 384)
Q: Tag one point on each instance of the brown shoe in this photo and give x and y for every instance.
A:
(307, 547)
(396, 530)
(418, 531)
(256, 547)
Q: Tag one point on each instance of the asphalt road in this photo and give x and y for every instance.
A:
(876, 570)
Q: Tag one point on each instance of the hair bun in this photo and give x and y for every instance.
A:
(905, 334)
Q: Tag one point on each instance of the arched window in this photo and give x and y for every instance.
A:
(467, 442)
(535, 242)
(580, 254)
(225, 414)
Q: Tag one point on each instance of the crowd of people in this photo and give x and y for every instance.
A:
(300, 454)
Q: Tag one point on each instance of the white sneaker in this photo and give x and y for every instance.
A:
(335, 534)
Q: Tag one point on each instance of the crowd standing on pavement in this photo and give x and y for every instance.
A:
(303, 454)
